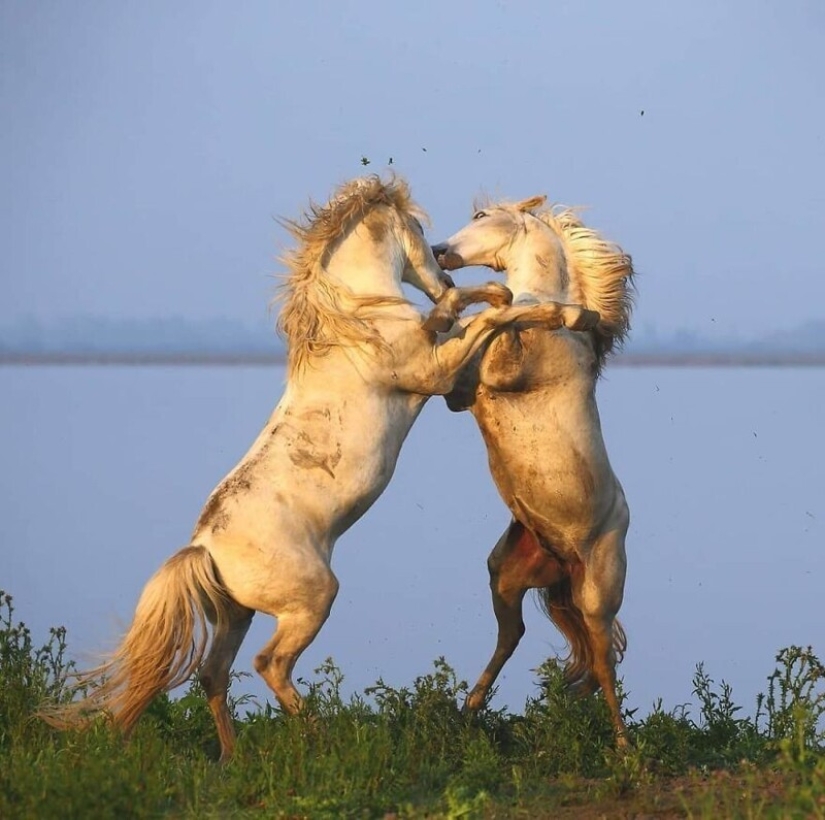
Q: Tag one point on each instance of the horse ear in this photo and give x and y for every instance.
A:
(529, 204)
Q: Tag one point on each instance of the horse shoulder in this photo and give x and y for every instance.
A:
(508, 364)
(518, 360)
(502, 367)
(551, 357)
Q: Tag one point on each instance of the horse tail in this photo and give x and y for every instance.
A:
(619, 640)
(556, 601)
(162, 648)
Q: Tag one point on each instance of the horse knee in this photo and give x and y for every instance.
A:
(330, 589)
(601, 594)
(319, 590)
(495, 579)
(261, 662)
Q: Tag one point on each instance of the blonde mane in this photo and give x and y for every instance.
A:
(600, 274)
(313, 319)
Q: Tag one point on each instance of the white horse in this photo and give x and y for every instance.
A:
(361, 366)
(532, 392)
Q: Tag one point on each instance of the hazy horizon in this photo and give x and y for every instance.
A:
(171, 334)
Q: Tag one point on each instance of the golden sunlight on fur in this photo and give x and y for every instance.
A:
(362, 365)
(532, 392)
(317, 314)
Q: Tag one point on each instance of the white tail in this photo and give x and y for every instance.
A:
(164, 645)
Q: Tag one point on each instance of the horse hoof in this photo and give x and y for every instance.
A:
(450, 261)
(592, 319)
(499, 295)
(581, 319)
(474, 702)
(438, 323)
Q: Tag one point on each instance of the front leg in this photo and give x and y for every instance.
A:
(419, 366)
(455, 301)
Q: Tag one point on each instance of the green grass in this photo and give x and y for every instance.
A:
(411, 752)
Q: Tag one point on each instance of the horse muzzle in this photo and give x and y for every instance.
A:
(447, 259)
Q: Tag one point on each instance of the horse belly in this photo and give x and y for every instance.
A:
(551, 479)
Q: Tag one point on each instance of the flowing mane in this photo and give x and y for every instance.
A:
(313, 317)
(601, 275)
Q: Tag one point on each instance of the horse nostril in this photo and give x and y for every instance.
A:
(439, 249)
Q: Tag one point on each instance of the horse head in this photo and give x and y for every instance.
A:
(490, 236)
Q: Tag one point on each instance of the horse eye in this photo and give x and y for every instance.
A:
(479, 214)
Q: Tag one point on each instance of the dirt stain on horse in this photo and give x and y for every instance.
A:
(215, 514)
(308, 456)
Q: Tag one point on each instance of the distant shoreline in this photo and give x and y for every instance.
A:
(137, 359)
(142, 359)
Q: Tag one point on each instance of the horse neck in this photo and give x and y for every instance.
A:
(536, 267)
(367, 267)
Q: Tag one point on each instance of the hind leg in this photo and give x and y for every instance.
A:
(599, 596)
(214, 674)
(516, 564)
(299, 621)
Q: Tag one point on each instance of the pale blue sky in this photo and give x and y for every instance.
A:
(146, 147)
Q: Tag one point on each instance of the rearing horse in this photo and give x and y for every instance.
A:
(361, 365)
(532, 392)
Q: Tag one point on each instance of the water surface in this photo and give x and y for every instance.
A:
(105, 470)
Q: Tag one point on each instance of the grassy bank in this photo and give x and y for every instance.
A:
(411, 752)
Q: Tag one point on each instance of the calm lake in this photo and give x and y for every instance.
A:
(105, 470)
